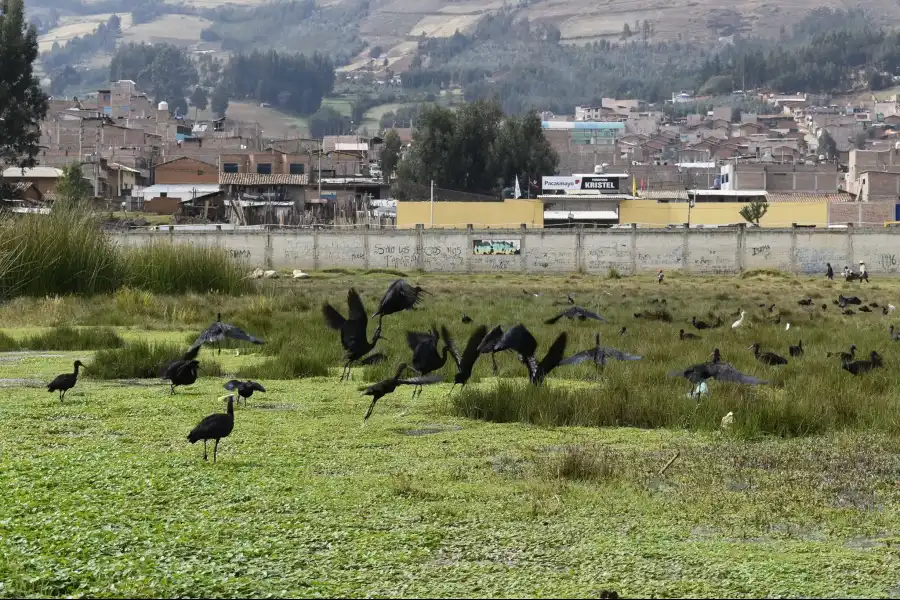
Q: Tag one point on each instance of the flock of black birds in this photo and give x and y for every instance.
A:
(428, 356)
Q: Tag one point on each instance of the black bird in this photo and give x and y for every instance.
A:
(181, 372)
(874, 305)
(772, 308)
(849, 312)
(353, 330)
(383, 388)
(466, 362)
(244, 389)
(214, 427)
(466, 319)
(844, 356)
(570, 299)
(425, 358)
(598, 355)
(865, 309)
(824, 306)
(884, 310)
(65, 382)
(858, 367)
(218, 331)
(699, 324)
(796, 350)
(623, 331)
(489, 343)
(844, 301)
(768, 358)
(527, 293)
(399, 296)
(520, 340)
(805, 302)
(716, 369)
(683, 335)
(863, 366)
(191, 354)
(895, 334)
(575, 312)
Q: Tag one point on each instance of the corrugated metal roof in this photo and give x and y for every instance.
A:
(351, 147)
(260, 179)
(810, 197)
(176, 191)
(36, 172)
(585, 196)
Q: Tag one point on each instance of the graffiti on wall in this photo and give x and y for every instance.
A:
(495, 247)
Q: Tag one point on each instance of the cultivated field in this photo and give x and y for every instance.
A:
(74, 26)
(498, 490)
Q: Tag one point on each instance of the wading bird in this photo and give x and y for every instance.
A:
(844, 356)
(383, 388)
(399, 296)
(489, 344)
(687, 335)
(191, 354)
(598, 355)
(575, 312)
(214, 427)
(716, 369)
(466, 319)
(181, 372)
(796, 350)
(520, 340)
(466, 362)
(353, 330)
(767, 358)
(65, 382)
(739, 322)
(858, 367)
(244, 389)
(218, 331)
(425, 358)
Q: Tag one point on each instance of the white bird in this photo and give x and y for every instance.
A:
(891, 308)
(739, 322)
(727, 420)
(788, 326)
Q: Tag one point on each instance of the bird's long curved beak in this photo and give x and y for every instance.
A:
(226, 397)
(750, 347)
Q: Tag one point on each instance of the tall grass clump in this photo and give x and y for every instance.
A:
(70, 338)
(142, 360)
(7, 343)
(64, 252)
(164, 267)
(286, 366)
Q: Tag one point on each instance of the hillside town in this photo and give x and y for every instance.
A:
(812, 165)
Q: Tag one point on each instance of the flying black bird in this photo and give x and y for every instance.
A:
(65, 382)
(399, 296)
(244, 389)
(716, 369)
(218, 331)
(214, 427)
(768, 358)
(383, 388)
(895, 334)
(181, 372)
(796, 350)
(599, 355)
(466, 319)
(687, 335)
(466, 362)
(489, 343)
(520, 339)
(844, 301)
(858, 367)
(353, 330)
(426, 358)
(575, 312)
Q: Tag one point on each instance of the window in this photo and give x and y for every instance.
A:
(230, 168)
(264, 168)
(297, 168)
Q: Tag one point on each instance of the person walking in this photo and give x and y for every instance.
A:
(830, 272)
(863, 275)
(659, 276)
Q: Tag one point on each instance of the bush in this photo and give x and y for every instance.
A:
(580, 463)
(7, 343)
(288, 366)
(167, 268)
(68, 338)
(142, 360)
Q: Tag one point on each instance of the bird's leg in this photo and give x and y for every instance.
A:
(172, 386)
(204, 451)
(220, 348)
(452, 387)
(494, 363)
(62, 396)
(215, 450)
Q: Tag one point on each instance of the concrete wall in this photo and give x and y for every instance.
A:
(780, 214)
(723, 250)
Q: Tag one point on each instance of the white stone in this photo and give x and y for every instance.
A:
(299, 274)
(270, 274)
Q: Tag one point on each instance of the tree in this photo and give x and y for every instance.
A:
(860, 140)
(626, 31)
(23, 105)
(219, 100)
(327, 121)
(165, 71)
(753, 212)
(199, 99)
(390, 154)
(72, 189)
(827, 146)
(376, 51)
(736, 114)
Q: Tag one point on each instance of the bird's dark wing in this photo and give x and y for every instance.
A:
(333, 318)
(399, 296)
(236, 333)
(232, 385)
(173, 368)
(490, 340)
(553, 320)
(209, 427)
(577, 359)
(373, 359)
(357, 310)
(726, 372)
(578, 311)
(257, 386)
(213, 333)
(422, 380)
(619, 355)
(518, 338)
(555, 355)
(414, 338)
(191, 354)
(448, 340)
(471, 353)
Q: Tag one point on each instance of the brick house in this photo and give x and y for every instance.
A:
(185, 170)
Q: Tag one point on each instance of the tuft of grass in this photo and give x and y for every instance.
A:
(286, 366)
(583, 463)
(166, 267)
(141, 360)
(765, 274)
(7, 343)
(613, 273)
(69, 338)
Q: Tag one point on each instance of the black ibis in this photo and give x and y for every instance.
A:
(65, 382)
(181, 372)
(716, 369)
(426, 358)
(805, 302)
(895, 334)
(218, 331)
(353, 330)
(796, 350)
(575, 312)
(466, 362)
(191, 354)
(214, 427)
(687, 335)
(858, 367)
(466, 319)
(383, 388)
(699, 324)
(844, 301)
(489, 343)
(520, 340)
(767, 358)
(399, 296)
(244, 389)
(598, 355)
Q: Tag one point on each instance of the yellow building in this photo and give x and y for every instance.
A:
(651, 213)
(481, 215)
